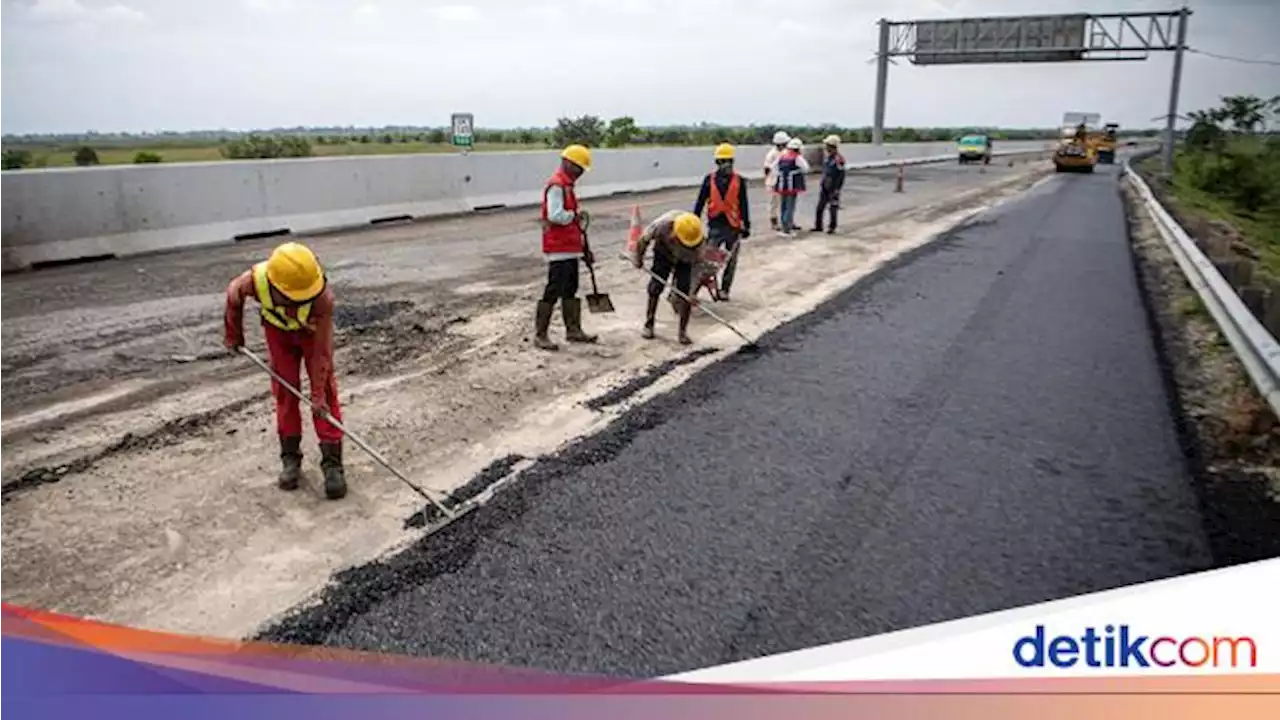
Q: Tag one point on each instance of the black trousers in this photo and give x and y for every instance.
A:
(562, 280)
(663, 266)
(727, 238)
(827, 200)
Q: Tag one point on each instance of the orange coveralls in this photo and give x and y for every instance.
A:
(288, 350)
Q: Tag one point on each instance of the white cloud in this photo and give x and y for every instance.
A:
(81, 16)
(282, 63)
(58, 10)
(270, 7)
(124, 14)
(456, 13)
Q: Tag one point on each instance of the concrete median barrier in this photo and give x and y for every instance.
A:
(65, 215)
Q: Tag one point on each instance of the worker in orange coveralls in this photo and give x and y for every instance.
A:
(297, 319)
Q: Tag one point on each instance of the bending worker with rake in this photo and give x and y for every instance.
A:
(297, 319)
(677, 242)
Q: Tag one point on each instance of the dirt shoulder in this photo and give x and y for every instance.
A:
(1230, 435)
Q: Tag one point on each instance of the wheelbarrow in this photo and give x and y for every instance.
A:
(706, 274)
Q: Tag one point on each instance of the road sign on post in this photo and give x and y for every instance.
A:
(463, 130)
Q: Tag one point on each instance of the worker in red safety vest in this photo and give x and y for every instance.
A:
(724, 195)
(297, 320)
(789, 184)
(564, 241)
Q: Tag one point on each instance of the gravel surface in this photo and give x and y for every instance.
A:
(982, 427)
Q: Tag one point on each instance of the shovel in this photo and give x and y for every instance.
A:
(597, 302)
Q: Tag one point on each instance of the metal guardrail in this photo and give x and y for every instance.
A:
(1257, 350)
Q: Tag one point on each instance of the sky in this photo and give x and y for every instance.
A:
(154, 65)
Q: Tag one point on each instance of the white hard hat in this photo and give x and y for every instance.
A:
(831, 140)
(781, 137)
(794, 143)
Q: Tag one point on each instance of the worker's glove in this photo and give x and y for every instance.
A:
(233, 342)
(637, 260)
(319, 406)
(584, 219)
(588, 257)
(744, 233)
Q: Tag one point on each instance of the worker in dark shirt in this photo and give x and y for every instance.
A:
(724, 195)
(832, 182)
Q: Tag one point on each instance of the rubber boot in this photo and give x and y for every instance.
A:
(684, 310)
(651, 310)
(291, 459)
(335, 481)
(571, 308)
(542, 325)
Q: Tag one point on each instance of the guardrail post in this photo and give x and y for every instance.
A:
(902, 174)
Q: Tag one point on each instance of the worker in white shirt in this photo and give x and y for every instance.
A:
(780, 139)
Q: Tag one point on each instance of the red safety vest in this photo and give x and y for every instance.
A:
(561, 238)
(727, 206)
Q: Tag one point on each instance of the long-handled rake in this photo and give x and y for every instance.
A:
(751, 345)
(450, 511)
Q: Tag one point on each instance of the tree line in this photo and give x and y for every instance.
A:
(590, 130)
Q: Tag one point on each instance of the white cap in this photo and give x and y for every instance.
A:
(831, 140)
(794, 143)
(781, 137)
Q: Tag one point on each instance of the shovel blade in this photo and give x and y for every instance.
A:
(599, 303)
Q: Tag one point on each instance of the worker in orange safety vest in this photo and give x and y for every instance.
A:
(724, 196)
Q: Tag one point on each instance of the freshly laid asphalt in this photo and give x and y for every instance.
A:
(980, 427)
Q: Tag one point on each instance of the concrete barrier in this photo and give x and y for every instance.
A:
(70, 214)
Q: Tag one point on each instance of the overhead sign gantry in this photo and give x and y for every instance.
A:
(1078, 37)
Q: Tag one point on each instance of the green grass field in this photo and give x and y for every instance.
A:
(52, 156)
(1259, 229)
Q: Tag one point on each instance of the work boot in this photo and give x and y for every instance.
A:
(291, 459)
(335, 483)
(684, 310)
(650, 311)
(773, 223)
(571, 308)
(542, 325)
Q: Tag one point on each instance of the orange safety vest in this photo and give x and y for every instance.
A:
(720, 205)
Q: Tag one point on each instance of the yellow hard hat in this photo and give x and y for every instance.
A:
(724, 151)
(294, 271)
(688, 229)
(578, 155)
(832, 140)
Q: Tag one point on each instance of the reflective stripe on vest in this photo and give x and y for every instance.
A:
(719, 205)
(270, 313)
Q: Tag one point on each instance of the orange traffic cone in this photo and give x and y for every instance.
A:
(637, 229)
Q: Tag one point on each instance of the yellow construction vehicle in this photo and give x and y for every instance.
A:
(1104, 144)
(1076, 151)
